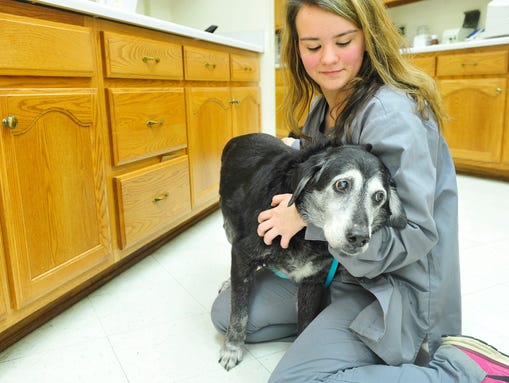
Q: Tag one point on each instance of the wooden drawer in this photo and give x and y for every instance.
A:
(152, 198)
(425, 63)
(146, 122)
(41, 48)
(244, 68)
(472, 64)
(206, 65)
(136, 57)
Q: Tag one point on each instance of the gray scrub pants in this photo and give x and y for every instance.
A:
(327, 351)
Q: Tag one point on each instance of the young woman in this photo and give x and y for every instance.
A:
(389, 307)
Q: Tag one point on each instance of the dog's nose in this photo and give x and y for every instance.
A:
(358, 238)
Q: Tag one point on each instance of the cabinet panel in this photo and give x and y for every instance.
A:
(35, 47)
(476, 107)
(482, 63)
(206, 65)
(210, 127)
(4, 289)
(425, 63)
(136, 57)
(244, 68)
(146, 122)
(152, 198)
(246, 110)
(54, 189)
(3, 304)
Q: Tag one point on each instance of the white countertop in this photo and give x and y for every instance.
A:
(110, 13)
(461, 45)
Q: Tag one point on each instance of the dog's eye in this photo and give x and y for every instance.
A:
(379, 196)
(341, 185)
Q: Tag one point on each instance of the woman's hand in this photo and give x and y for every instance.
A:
(281, 220)
(288, 140)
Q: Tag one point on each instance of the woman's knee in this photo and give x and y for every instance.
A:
(326, 347)
(272, 311)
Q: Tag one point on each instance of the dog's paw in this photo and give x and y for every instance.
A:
(230, 355)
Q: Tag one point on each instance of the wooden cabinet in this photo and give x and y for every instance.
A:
(244, 68)
(147, 125)
(137, 57)
(246, 110)
(206, 64)
(55, 210)
(210, 127)
(281, 128)
(477, 110)
(473, 84)
(505, 142)
(473, 64)
(474, 87)
(4, 287)
(146, 122)
(279, 13)
(427, 63)
(34, 47)
(106, 130)
(3, 302)
(151, 198)
(215, 115)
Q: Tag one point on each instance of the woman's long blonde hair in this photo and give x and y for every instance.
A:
(383, 63)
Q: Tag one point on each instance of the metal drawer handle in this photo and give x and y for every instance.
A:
(150, 58)
(151, 123)
(11, 122)
(161, 197)
(234, 101)
(210, 66)
(470, 63)
(248, 69)
(498, 91)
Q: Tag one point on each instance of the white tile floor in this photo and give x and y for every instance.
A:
(151, 324)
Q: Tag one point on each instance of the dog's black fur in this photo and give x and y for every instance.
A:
(255, 167)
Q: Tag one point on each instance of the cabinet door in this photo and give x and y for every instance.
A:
(3, 305)
(209, 128)
(54, 205)
(281, 128)
(4, 292)
(477, 108)
(246, 110)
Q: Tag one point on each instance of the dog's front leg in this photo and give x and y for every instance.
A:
(241, 279)
(309, 302)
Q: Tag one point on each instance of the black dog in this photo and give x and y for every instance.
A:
(344, 190)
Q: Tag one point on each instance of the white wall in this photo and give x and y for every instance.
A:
(438, 15)
(243, 19)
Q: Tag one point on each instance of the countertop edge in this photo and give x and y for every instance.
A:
(109, 13)
(488, 42)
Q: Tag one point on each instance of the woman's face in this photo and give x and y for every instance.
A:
(331, 49)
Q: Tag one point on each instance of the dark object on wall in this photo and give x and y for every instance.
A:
(211, 28)
(471, 19)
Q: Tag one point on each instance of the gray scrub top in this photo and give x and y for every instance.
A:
(413, 273)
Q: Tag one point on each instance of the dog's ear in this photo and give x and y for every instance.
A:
(307, 172)
(397, 218)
